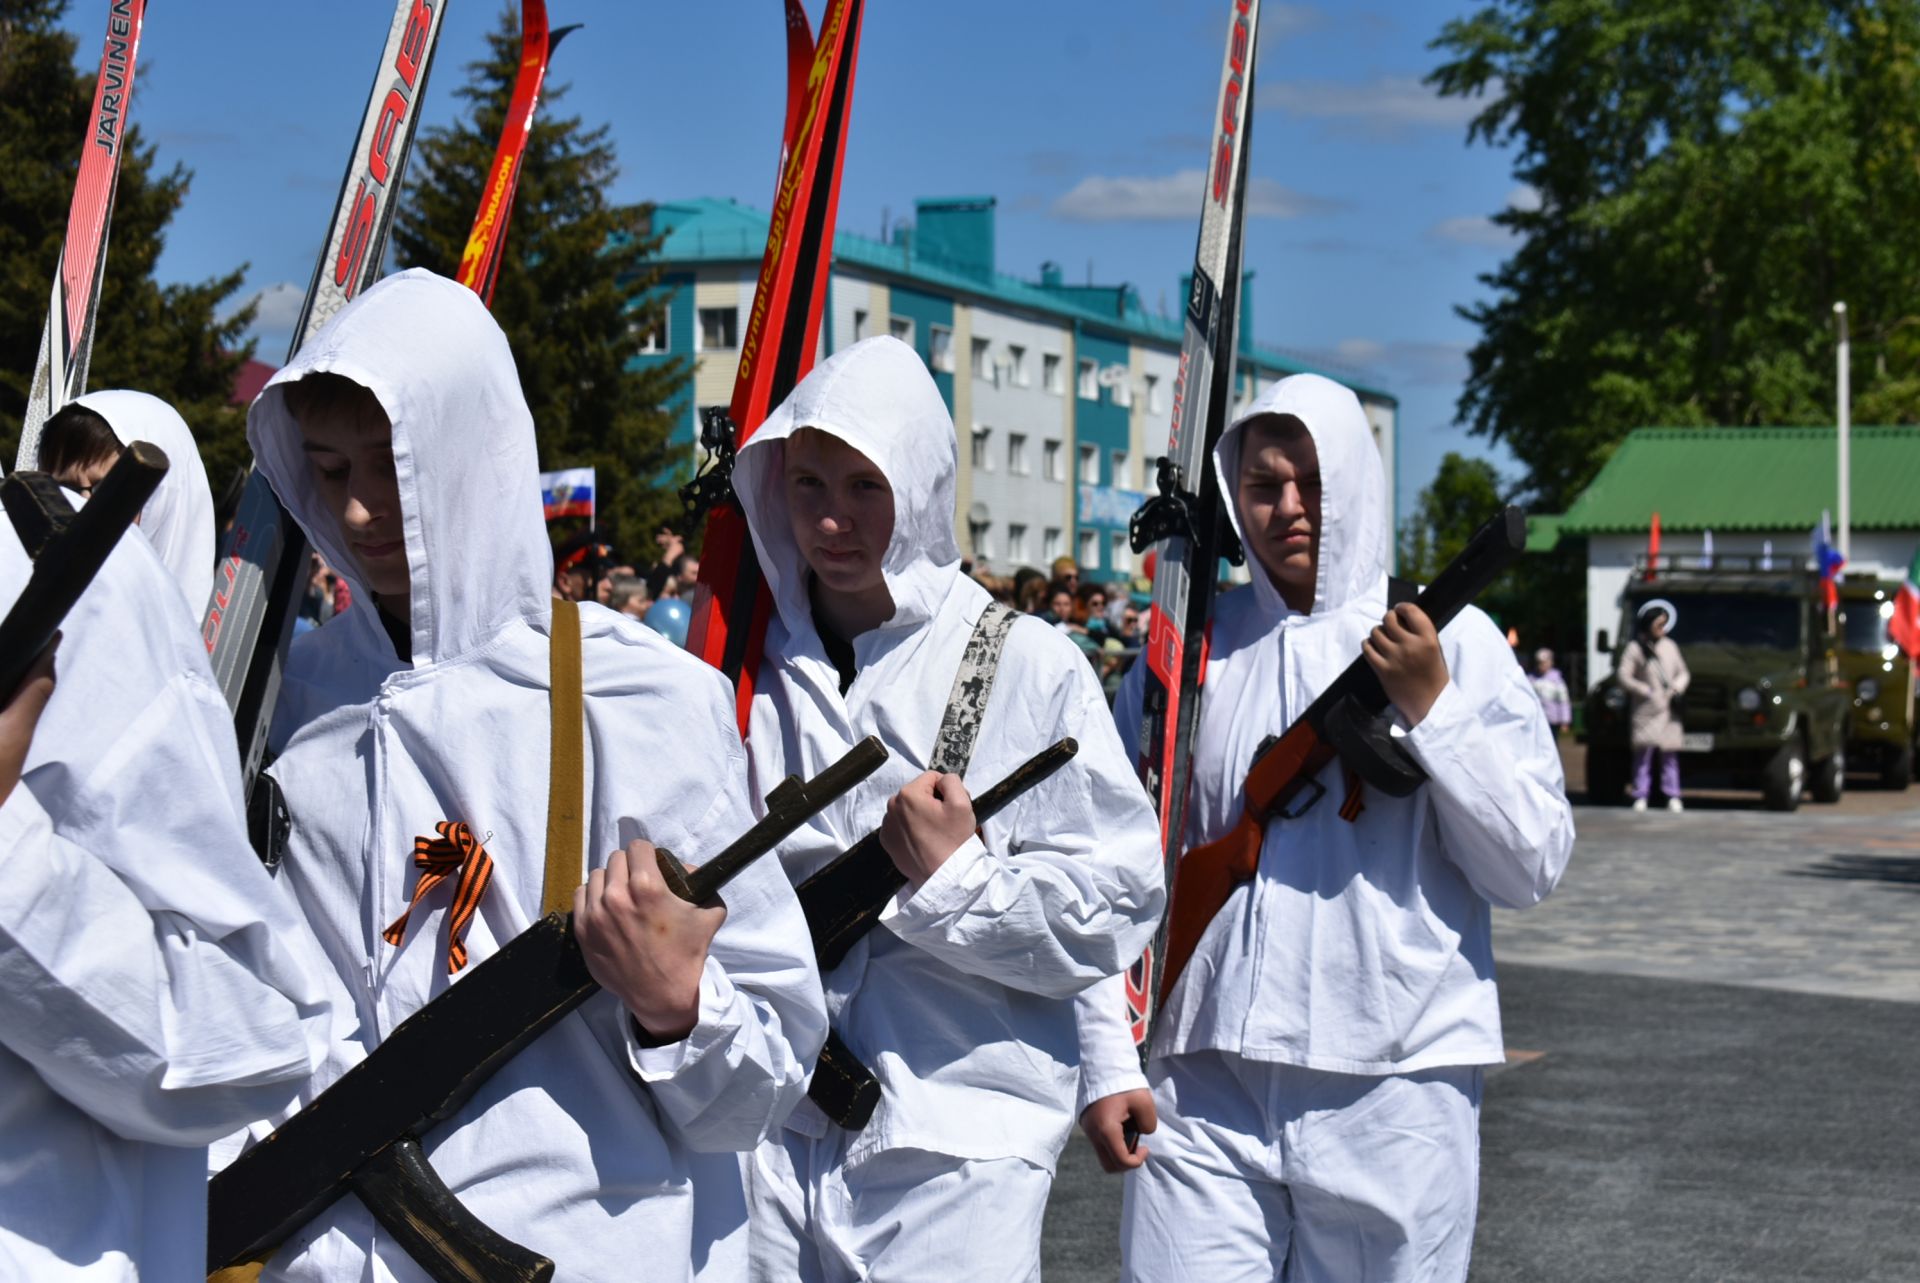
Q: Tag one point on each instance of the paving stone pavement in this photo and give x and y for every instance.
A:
(1823, 900)
(1669, 1128)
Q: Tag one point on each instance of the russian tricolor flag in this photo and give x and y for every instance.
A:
(567, 493)
(1827, 559)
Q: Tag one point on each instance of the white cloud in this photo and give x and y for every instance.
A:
(1484, 233)
(1384, 104)
(1290, 19)
(1175, 197)
(1474, 230)
(279, 306)
(1525, 198)
(1399, 362)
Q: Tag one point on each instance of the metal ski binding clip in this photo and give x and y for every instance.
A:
(713, 487)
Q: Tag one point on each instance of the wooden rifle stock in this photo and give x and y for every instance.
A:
(361, 1134)
(1283, 783)
(1207, 875)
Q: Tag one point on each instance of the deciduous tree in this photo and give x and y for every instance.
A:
(1712, 176)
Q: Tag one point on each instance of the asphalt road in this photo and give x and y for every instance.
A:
(1714, 1040)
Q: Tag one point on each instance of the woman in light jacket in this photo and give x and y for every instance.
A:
(1654, 676)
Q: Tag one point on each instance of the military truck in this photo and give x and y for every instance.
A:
(1766, 708)
(1880, 678)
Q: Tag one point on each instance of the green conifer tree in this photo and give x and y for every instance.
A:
(176, 341)
(573, 294)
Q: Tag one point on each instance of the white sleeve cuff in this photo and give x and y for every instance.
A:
(950, 889)
(719, 1018)
(1098, 1084)
(1449, 712)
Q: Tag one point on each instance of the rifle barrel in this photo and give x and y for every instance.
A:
(789, 806)
(73, 557)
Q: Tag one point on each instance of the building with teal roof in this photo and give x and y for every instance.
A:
(1062, 392)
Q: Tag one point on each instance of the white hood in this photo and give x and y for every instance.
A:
(1353, 554)
(878, 398)
(441, 368)
(178, 519)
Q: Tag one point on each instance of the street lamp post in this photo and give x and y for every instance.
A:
(1845, 400)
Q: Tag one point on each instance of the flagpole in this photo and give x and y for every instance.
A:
(1846, 428)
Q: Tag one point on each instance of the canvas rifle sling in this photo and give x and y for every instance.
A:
(841, 1086)
(566, 763)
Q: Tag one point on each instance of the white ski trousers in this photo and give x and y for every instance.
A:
(899, 1216)
(1266, 1171)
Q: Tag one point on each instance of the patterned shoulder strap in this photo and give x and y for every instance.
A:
(972, 684)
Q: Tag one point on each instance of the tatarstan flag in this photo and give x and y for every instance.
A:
(1904, 627)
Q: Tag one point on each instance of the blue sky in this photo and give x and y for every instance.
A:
(1086, 118)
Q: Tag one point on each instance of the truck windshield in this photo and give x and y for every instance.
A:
(1863, 624)
(1731, 619)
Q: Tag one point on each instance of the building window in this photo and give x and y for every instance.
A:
(1120, 477)
(1089, 550)
(1089, 380)
(859, 324)
(1017, 363)
(901, 327)
(1089, 465)
(1119, 555)
(1050, 546)
(654, 338)
(1122, 385)
(1050, 461)
(982, 455)
(719, 328)
(1153, 394)
(1017, 543)
(1050, 373)
(940, 348)
(1017, 454)
(983, 360)
(981, 532)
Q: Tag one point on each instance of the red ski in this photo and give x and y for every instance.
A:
(480, 263)
(732, 607)
(66, 341)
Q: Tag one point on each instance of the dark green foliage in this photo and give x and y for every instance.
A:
(1464, 494)
(168, 340)
(1713, 175)
(573, 289)
(1539, 597)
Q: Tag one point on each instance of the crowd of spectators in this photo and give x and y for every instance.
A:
(1103, 619)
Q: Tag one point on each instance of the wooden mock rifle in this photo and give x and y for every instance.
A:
(362, 1134)
(68, 548)
(1346, 723)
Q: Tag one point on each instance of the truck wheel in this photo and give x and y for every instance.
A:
(1898, 771)
(1606, 777)
(1785, 775)
(1830, 777)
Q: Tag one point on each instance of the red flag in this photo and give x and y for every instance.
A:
(1904, 627)
(1653, 545)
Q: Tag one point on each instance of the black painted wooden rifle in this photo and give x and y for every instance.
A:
(362, 1134)
(68, 548)
(844, 901)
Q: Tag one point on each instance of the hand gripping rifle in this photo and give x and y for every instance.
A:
(68, 548)
(1346, 722)
(844, 901)
(362, 1134)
